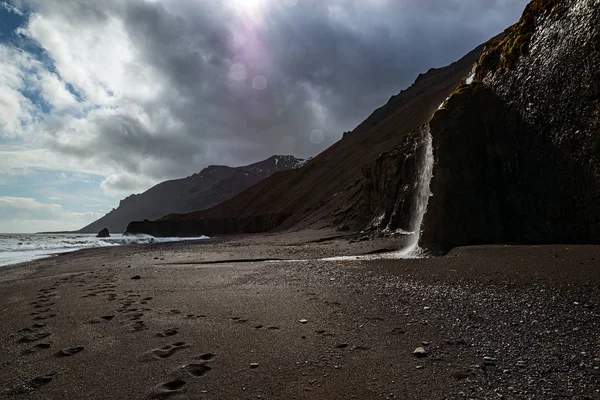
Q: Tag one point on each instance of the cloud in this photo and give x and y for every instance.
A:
(19, 215)
(142, 91)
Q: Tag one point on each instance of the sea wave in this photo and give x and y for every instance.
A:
(16, 248)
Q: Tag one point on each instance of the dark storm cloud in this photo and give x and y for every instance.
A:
(327, 65)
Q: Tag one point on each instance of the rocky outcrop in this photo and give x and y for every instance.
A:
(103, 233)
(391, 188)
(517, 153)
(208, 226)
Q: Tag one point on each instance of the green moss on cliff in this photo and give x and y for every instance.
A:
(504, 53)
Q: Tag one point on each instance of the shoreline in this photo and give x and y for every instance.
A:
(32, 255)
(189, 320)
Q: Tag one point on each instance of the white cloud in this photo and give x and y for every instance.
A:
(56, 94)
(23, 215)
(16, 109)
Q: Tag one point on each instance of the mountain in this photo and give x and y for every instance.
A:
(205, 189)
(332, 187)
(502, 146)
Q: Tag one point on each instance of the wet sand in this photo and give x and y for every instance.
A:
(260, 317)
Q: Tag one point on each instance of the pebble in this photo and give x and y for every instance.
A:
(136, 277)
(420, 352)
(489, 361)
(253, 365)
(303, 321)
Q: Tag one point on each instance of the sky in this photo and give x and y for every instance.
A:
(101, 99)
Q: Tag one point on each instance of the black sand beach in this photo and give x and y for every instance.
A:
(515, 322)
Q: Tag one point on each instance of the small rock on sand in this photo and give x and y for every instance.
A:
(136, 277)
(420, 352)
(253, 365)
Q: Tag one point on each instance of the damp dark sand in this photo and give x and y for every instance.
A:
(166, 322)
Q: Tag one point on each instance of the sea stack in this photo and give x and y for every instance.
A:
(103, 233)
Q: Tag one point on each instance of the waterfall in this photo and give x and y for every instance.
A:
(423, 193)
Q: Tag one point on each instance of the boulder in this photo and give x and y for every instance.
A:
(103, 233)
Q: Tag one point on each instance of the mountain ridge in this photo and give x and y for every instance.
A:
(206, 188)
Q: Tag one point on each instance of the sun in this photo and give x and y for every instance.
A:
(248, 6)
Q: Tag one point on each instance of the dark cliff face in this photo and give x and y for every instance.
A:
(205, 189)
(391, 185)
(517, 153)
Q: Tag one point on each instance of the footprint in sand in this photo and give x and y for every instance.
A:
(168, 389)
(70, 351)
(166, 351)
(135, 316)
(32, 328)
(168, 332)
(37, 305)
(35, 349)
(138, 326)
(32, 385)
(43, 317)
(45, 310)
(194, 316)
(34, 337)
(197, 370)
(206, 357)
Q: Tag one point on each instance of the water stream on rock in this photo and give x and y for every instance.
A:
(425, 174)
(423, 193)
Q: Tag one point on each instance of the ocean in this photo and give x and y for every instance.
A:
(22, 247)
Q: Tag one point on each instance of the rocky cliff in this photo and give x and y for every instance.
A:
(517, 152)
(209, 187)
(330, 189)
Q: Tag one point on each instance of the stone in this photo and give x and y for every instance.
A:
(135, 277)
(103, 233)
(253, 365)
(420, 352)
(489, 361)
(303, 321)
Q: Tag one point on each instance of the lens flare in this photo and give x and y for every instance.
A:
(237, 72)
(317, 136)
(259, 82)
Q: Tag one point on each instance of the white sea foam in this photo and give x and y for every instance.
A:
(17, 248)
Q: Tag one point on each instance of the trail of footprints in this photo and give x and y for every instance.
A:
(131, 307)
(42, 313)
(176, 385)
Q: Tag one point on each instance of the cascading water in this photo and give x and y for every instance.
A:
(423, 193)
(421, 200)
